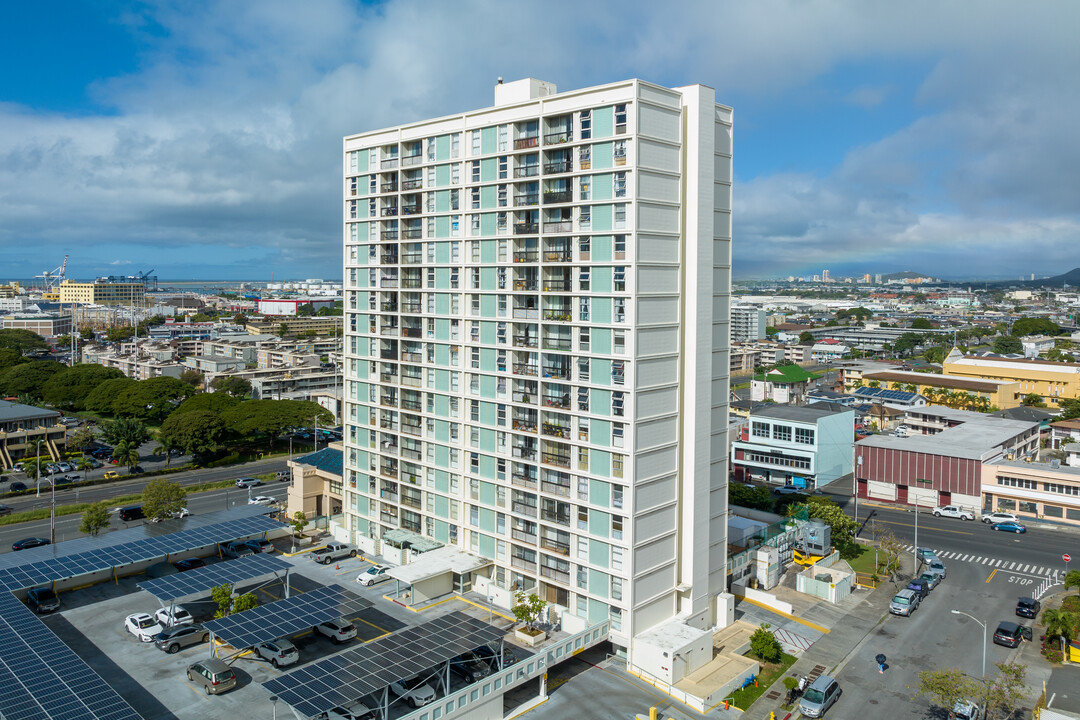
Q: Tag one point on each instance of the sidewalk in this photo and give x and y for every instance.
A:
(830, 652)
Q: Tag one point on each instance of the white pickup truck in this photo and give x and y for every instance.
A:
(332, 551)
(953, 511)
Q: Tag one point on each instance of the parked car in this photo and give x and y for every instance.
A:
(490, 656)
(280, 652)
(340, 630)
(332, 551)
(1008, 634)
(248, 482)
(1028, 607)
(1008, 526)
(936, 567)
(996, 517)
(131, 512)
(189, 564)
(213, 675)
(262, 500)
(415, 691)
(819, 697)
(260, 545)
(42, 600)
(142, 626)
(926, 554)
(17, 487)
(356, 711)
(953, 511)
(469, 667)
(111, 475)
(176, 615)
(5, 510)
(967, 710)
(904, 602)
(64, 466)
(27, 543)
(932, 580)
(789, 490)
(919, 587)
(373, 575)
(173, 639)
(236, 549)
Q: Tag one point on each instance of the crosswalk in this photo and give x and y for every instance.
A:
(1006, 565)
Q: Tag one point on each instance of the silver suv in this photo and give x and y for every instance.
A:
(212, 675)
(819, 697)
(280, 652)
(180, 636)
(904, 602)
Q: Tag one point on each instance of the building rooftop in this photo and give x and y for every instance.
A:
(785, 374)
(918, 378)
(977, 437)
(801, 413)
(1028, 414)
(329, 460)
(12, 411)
(1018, 363)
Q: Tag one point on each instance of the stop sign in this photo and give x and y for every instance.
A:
(1066, 557)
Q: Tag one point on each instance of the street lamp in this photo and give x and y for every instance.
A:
(273, 701)
(983, 625)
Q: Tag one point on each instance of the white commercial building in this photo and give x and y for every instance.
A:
(536, 353)
(747, 324)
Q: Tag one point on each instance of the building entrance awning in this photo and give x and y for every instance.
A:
(437, 562)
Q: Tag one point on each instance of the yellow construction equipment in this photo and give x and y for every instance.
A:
(805, 559)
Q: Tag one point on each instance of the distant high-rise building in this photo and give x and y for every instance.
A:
(747, 324)
(877, 278)
(825, 276)
(536, 341)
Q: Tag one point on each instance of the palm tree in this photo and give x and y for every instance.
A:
(1059, 623)
(84, 466)
(165, 446)
(126, 454)
(874, 384)
(897, 385)
(911, 387)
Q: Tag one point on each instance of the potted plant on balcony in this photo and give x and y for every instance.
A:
(527, 609)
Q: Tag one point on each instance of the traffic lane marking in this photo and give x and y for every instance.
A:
(911, 525)
(992, 575)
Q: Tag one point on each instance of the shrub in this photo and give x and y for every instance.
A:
(765, 645)
(1071, 604)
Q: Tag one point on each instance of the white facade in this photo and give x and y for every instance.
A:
(536, 355)
(747, 324)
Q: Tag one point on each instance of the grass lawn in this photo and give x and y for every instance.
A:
(770, 673)
(864, 563)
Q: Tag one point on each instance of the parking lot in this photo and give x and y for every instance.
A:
(91, 622)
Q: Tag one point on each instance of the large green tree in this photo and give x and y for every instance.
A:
(921, 324)
(1035, 326)
(69, 389)
(1007, 345)
(999, 693)
(758, 497)
(95, 518)
(162, 498)
(842, 526)
(9, 358)
(125, 430)
(100, 399)
(272, 417)
(151, 400)
(22, 340)
(236, 386)
(906, 343)
(126, 453)
(216, 403)
(197, 432)
(29, 378)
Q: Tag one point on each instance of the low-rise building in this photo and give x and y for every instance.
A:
(44, 324)
(899, 399)
(940, 461)
(1054, 381)
(785, 384)
(949, 390)
(297, 325)
(290, 306)
(825, 351)
(1032, 490)
(103, 291)
(151, 359)
(25, 429)
(784, 443)
(1063, 432)
(316, 488)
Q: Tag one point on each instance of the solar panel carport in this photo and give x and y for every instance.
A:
(369, 670)
(196, 582)
(43, 679)
(286, 617)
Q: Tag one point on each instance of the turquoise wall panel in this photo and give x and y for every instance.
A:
(603, 156)
(603, 120)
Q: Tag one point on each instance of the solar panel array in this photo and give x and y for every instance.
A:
(200, 580)
(288, 616)
(354, 674)
(42, 678)
(885, 393)
(38, 570)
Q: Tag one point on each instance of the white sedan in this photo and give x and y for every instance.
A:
(176, 615)
(373, 575)
(262, 500)
(998, 517)
(143, 626)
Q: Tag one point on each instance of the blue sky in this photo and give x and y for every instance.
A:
(203, 139)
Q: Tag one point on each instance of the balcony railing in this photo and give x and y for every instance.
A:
(525, 369)
(389, 163)
(388, 518)
(388, 282)
(550, 458)
(523, 536)
(410, 307)
(524, 171)
(555, 545)
(526, 285)
(412, 332)
(524, 425)
(389, 234)
(523, 508)
(412, 184)
(524, 397)
(557, 138)
(388, 400)
(525, 481)
(410, 381)
(558, 315)
(409, 160)
(557, 518)
(388, 354)
(389, 187)
(387, 495)
(564, 344)
(388, 330)
(553, 430)
(529, 141)
(558, 285)
(526, 313)
(413, 233)
(559, 226)
(526, 228)
(414, 430)
(411, 501)
(529, 341)
(412, 283)
(523, 564)
(388, 258)
(527, 199)
(558, 196)
(412, 258)
(413, 209)
(414, 405)
(388, 307)
(558, 256)
(558, 166)
(388, 471)
(525, 453)
(558, 372)
(389, 211)
(556, 575)
(526, 256)
(555, 489)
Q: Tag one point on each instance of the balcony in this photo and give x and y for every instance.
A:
(412, 258)
(561, 226)
(389, 163)
(388, 518)
(556, 459)
(412, 283)
(390, 211)
(527, 341)
(527, 199)
(558, 196)
(524, 397)
(524, 143)
(558, 285)
(556, 430)
(523, 508)
(526, 452)
(388, 471)
(526, 256)
(528, 426)
(389, 235)
(413, 233)
(526, 171)
(557, 343)
(523, 536)
(388, 354)
(410, 307)
(410, 429)
(391, 186)
(410, 160)
(525, 481)
(557, 372)
(388, 400)
(558, 255)
(558, 138)
(559, 576)
(388, 282)
(526, 228)
(526, 313)
(388, 258)
(411, 381)
(411, 501)
(558, 166)
(555, 488)
(412, 332)
(523, 564)
(413, 209)
(389, 307)
(563, 548)
(388, 495)
(414, 405)
(526, 284)
(390, 330)
(415, 184)
(528, 369)
(558, 315)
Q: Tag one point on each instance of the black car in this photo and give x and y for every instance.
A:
(42, 600)
(1028, 607)
(27, 543)
(189, 564)
(489, 655)
(920, 586)
(1008, 634)
(17, 487)
(132, 512)
(5, 510)
(469, 667)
